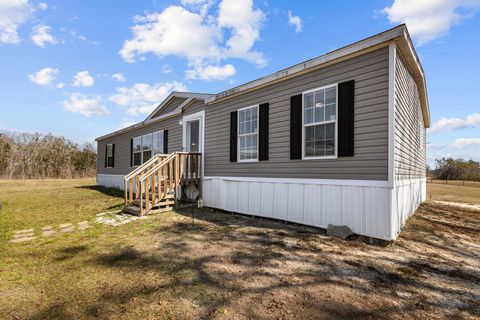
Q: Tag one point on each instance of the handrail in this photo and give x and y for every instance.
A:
(160, 177)
(158, 166)
(142, 167)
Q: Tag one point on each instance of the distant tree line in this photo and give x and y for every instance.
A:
(36, 156)
(455, 169)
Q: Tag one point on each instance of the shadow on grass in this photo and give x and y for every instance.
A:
(113, 192)
(265, 269)
(70, 252)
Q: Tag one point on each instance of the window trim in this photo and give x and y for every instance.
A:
(133, 152)
(162, 147)
(238, 132)
(107, 156)
(335, 156)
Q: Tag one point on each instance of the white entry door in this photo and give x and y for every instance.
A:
(193, 132)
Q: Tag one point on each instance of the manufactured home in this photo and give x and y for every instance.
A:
(338, 139)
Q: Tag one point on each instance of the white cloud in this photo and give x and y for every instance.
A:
(435, 146)
(83, 79)
(245, 23)
(295, 21)
(166, 69)
(13, 13)
(466, 142)
(200, 6)
(119, 77)
(44, 77)
(170, 33)
(87, 106)
(41, 36)
(430, 19)
(143, 98)
(81, 37)
(43, 6)
(450, 124)
(60, 85)
(211, 72)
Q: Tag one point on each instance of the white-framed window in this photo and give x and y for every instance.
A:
(248, 134)
(109, 155)
(137, 151)
(147, 144)
(158, 142)
(320, 123)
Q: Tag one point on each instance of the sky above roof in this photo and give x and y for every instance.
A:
(84, 68)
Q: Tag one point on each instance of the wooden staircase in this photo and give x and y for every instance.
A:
(157, 185)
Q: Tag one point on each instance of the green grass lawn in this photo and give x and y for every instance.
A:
(224, 266)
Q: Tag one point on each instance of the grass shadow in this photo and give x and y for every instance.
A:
(109, 191)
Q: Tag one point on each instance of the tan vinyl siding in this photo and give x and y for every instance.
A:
(122, 142)
(410, 152)
(370, 72)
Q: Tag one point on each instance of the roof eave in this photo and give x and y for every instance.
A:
(309, 65)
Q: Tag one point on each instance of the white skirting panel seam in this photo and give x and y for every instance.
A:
(365, 209)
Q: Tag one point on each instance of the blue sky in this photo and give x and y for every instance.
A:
(84, 68)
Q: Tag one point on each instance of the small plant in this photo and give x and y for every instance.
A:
(221, 310)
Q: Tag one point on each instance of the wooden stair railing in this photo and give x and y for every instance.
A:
(160, 182)
(156, 184)
(131, 180)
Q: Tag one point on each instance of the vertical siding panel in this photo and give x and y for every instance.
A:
(244, 197)
(295, 202)
(281, 201)
(255, 198)
(233, 196)
(267, 202)
(313, 205)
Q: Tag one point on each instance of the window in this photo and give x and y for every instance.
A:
(137, 151)
(158, 142)
(146, 147)
(109, 155)
(248, 134)
(320, 122)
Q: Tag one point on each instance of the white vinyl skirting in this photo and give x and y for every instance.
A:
(369, 208)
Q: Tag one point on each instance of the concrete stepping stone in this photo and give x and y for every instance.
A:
(24, 231)
(47, 228)
(23, 235)
(47, 233)
(23, 239)
(83, 225)
(66, 227)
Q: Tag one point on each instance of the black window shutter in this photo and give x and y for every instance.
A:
(106, 154)
(346, 94)
(165, 141)
(233, 136)
(263, 132)
(131, 152)
(113, 155)
(296, 127)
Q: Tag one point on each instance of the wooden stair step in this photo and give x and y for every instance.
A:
(163, 202)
